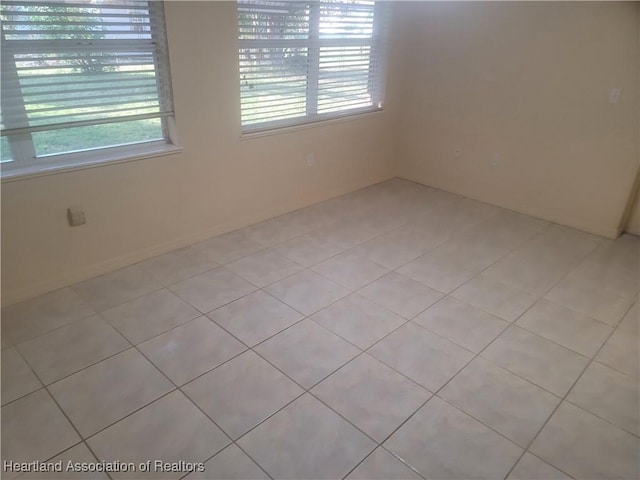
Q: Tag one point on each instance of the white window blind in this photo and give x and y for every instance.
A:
(306, 61)
(82, 74)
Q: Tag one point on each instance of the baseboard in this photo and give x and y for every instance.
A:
(12, 296)
(599, 230)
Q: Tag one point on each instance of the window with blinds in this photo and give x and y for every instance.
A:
(82, 75)
(303, 61)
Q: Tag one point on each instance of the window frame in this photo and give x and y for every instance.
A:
(26, 163)
(378, 44)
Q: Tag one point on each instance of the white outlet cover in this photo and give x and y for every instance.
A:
(614, 95)
(311, 159)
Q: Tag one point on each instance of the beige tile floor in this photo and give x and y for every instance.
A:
(395, 332)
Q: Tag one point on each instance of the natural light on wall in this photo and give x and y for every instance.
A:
(306, 61)
(79, 76)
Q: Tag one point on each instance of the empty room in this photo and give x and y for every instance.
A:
(320, 239)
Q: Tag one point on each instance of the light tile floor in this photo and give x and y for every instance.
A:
(395, 332)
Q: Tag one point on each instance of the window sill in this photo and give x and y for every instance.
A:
(276, 130)
(89, 159)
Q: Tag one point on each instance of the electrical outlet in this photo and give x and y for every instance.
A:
(495, 160)
(614, 95)
(457, 151)
(311, 159)
(76, 216)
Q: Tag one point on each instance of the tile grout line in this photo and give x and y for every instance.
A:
(305, 317)
(477, 355)
(99, 312)
(362, 351)
(577, 379)
(282, 372)
(66, 375)
(55, 401)
(131, 347)
(308, 390)
(251, 348)
(563, 399)
(176, 388)
(538, 298)
(457, 197)
(223, 265)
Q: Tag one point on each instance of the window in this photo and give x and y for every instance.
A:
(79, 76)
(307, 61)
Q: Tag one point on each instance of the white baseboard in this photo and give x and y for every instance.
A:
(600, 230)
(12, 296)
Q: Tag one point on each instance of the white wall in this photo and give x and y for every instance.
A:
(218, 183)
(526, 83)
(633, 222)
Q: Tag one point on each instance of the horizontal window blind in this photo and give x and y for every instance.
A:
(82, 62)
(305, 61)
